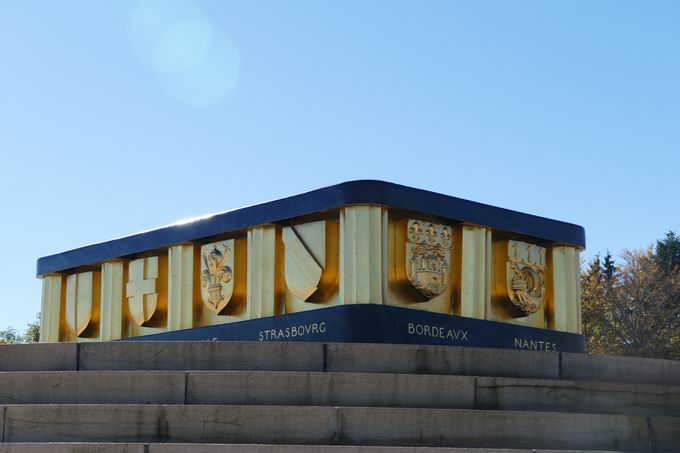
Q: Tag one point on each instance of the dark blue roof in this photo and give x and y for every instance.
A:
(347, 193)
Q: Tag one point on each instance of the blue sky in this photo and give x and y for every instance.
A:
(120, 116)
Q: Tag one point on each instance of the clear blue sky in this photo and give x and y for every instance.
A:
(120, 116)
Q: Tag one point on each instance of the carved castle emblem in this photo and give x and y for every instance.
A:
(428, 257)
(217, 282)
(526, 276)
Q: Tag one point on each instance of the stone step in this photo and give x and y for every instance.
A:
(344, 357)
(343, 426)
(243, 448)
(336, 389)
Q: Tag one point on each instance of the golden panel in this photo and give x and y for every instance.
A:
(266, 280)
(362, 248)
(564, 289)
(217, 274)
(473, 252)
(519, 277)
(419, 265)
(311, 260)
(52, 296)
(142, 289)
(184, 287)
(82, 304)
(112, 278)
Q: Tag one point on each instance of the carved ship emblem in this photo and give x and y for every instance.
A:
(428, 257)
(526, 276)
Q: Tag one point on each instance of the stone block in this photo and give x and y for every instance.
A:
(147, 355)
(330, 389)
(223, 448)
(39, 357)
(489, 429)
(154, 423)
(664, 433)
(576, 396)
(588, 367)
(71, 448)
(149, 387)
(343, 425)
(386, 358)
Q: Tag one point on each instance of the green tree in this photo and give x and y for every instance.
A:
(10, 336)
(667, 252)
(631, 309)
(32, 334)
(609, 269)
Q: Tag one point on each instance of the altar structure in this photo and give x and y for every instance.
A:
(361, 261)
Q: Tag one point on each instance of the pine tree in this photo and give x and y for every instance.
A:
(609, 269)
(667, 252)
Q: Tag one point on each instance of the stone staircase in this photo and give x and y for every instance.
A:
(330, 398)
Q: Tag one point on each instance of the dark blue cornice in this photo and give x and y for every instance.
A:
(327, 198)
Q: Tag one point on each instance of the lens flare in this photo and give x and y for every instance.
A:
(195, 62)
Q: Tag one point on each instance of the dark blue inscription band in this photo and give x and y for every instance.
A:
(367, 323)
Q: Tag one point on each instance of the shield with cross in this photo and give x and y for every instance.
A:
(141, 289)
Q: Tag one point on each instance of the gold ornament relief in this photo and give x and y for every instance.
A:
(217, 275)
(311, 260)
(82, 302)
(428, 257)
(526, 276)
(141, 289)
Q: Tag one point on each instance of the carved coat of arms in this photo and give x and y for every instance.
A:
(428, 257)
(526, 276)
(82, 302)
(217, 282)
(142, 290)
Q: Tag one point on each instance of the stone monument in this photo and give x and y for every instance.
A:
(361, 261)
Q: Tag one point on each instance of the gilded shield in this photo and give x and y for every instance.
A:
(525, 276)
(82, 302)
(141, 289)
(428, 257)
(311, 260)
(217, 276)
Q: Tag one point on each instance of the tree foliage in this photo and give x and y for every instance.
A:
(32, 334)
(633, 308)
(667, 252)
(10, 336)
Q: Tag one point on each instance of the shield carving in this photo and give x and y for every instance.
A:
(141, 289)
(525, 276)
(82, 302)
(428, 257)
(217, 281)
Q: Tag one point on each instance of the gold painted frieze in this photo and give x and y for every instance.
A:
(356, 243)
